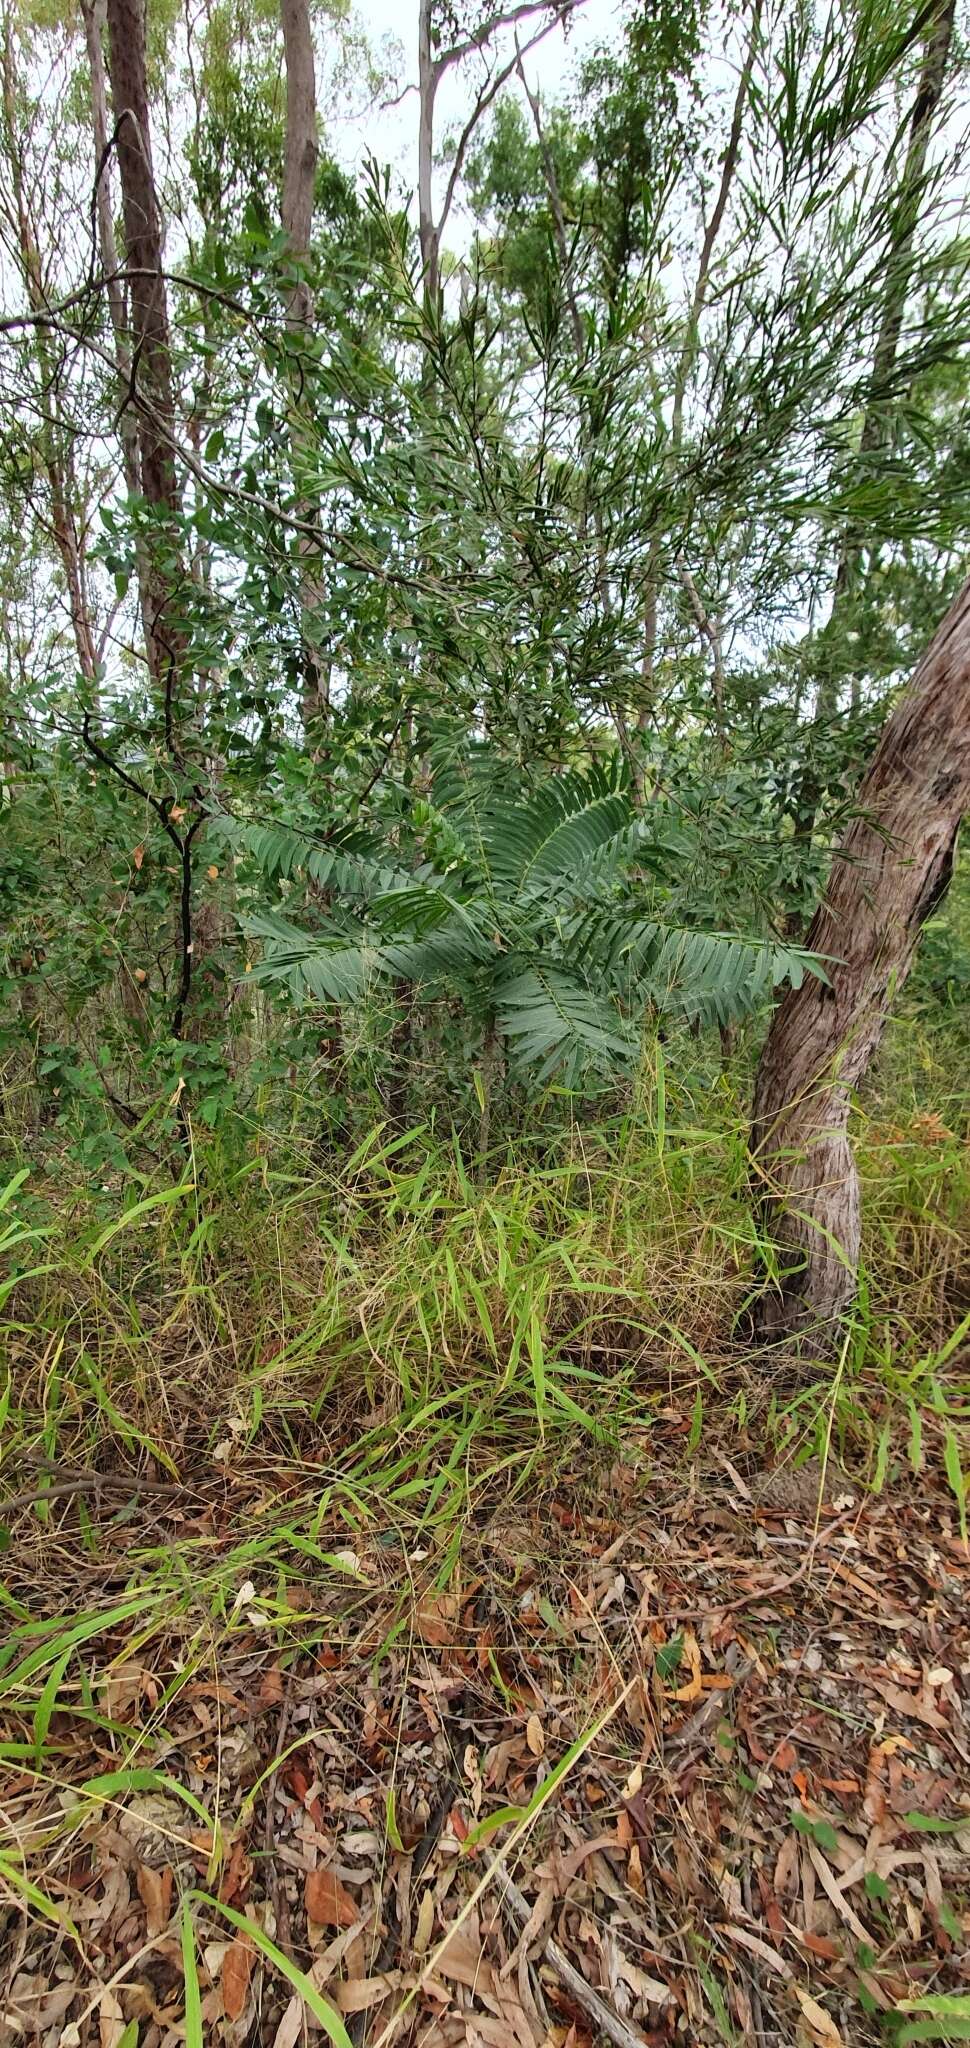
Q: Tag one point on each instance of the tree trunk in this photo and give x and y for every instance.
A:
(52, 442)
(151, 354)
(166, 580)
(299, 182)
(889, 874)
(427, 86)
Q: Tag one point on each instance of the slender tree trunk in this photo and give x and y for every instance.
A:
(889, 874)
(427, 88)
(166, 577)
(299, 181)
(150, 348)
(876, 424)
(50, 440)
(93, 12)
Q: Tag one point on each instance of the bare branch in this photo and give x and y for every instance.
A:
(495, 23)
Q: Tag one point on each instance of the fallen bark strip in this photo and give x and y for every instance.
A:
(596, 2009)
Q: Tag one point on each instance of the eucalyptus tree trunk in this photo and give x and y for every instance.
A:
(299, 181)
(166, 580)
(888, 876)
(53, 443)
(150, 346)
(428, 232)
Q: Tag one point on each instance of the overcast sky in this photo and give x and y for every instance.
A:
(390, 133)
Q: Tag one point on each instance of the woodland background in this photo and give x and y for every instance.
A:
(447, 619)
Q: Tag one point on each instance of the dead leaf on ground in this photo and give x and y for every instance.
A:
(236, 1971)
(535, 1736)
(435, 1619)
(421, 1939)
(111, 2020)
(291, 2025)
(327, 1901)
(821, 2026)
(155, 1893)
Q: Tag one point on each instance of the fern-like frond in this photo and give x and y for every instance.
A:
(714, 977)
(337, 969)
(553, 1025)
(354, 863)
(556, 831)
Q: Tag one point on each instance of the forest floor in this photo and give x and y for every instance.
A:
(426, 1623)
(670, 1751)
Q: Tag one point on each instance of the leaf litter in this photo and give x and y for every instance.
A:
(762, 1830)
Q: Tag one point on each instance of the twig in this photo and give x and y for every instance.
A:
(771, 1592)
(87, 1482)
(602, 2015)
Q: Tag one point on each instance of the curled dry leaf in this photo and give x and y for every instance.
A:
(111, 2020)
(236, 1972)
(328, 1902)
(821, 2026)
(435, 1619)
(155, 1893)
(421, 1940)
(291, 2025)
(535, 1736)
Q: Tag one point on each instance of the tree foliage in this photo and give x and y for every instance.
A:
(561, 537)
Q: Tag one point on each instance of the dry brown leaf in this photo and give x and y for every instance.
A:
(462, 1960)
(822, 2027)
(832, 1888)
(111, 2020)
(691, 1655)
(270, 1692)
(236, 1972)
(642, 1986)
(910, 1705)
(291, 2025)
(345, 1947)
(757, 1947)
(535, 1735)
(155, 1893)
(435, 1618)
(359, 1993)
(421, 1938)
(328, 1902)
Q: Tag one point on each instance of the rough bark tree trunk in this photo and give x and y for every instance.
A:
(890, 872)
(428, 233)
(151, 395)
(94, 16)
(150, 348)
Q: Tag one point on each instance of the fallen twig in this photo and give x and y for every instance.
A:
(596, 2009)
(86, 1482)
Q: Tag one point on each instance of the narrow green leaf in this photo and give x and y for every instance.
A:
(329, 2020)
(193, 1997)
